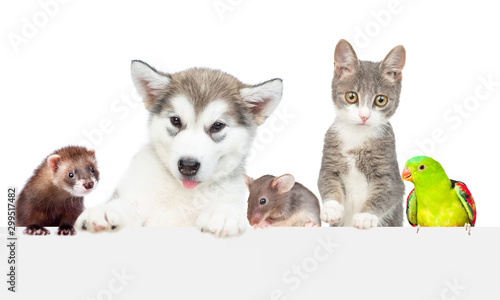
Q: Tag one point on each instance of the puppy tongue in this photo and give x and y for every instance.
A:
(189, 184)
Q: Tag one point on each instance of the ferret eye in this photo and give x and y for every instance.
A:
(263, 201)
(92, 170)
(71, 175)
(421, 167)
(381, 100)
(351, 97)
(176, 122)
(217, 126)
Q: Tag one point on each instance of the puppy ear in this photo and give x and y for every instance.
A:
(53, 162)
(393, 63)
(263, 98)
(148, 82)
(345, 59)
(284, 183)
(248, 180)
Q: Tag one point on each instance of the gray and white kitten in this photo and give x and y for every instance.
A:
(359, 180)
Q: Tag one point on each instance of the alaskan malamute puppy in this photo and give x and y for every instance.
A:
(201, 126)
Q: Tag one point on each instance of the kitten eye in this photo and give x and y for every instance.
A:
(217, 126)
(263, 201)
(351, 97)
(92, 170)
(421, 167)
(176, 122)
(71, 175)
(381, 100)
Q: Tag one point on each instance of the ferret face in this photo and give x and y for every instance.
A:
(77, 175)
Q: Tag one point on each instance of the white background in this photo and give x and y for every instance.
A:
(73, 73)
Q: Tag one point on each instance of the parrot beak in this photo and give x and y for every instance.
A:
(407, 175)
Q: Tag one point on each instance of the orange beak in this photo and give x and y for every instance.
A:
(407, 175)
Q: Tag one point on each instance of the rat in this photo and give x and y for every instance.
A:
(53, 195)
(280, 201)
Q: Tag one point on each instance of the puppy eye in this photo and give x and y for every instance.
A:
(176, 122)
(381, 100)
(351, 97)
(92, 170)
(421, 167)
(263, 201)
(71, 175)
(217, 126)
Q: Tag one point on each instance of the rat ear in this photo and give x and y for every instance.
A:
(284, 183)
(248, 180)
(53, 162)
(393, 63)
(345, 59)
(148, 82)
(263, 98)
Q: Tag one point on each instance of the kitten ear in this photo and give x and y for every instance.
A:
(148, 82)
(53, 162)
(284, 183)
(248, 180)
(263, 98)
(345, 59)
(393, 63)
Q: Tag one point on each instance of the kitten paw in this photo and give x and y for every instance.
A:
(222, 220)
(310, 224)
(66, 230)
(332, 211)
(36, 230)
(365, 221)
(97, 219)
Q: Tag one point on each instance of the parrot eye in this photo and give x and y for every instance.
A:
(263, 201)
(421, 167)
(351, 97)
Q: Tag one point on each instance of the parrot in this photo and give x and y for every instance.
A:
(436, 200)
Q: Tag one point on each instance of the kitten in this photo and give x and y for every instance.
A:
(359, 180)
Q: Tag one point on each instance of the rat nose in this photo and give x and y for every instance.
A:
(188, 167)
(88, 185)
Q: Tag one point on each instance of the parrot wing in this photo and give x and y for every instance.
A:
(465, 197)
(411, 208)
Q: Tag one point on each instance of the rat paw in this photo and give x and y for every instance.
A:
(332, 211)
(99, 218)
(365, 221)
(66, 230)
(222, 220)
(36, 230)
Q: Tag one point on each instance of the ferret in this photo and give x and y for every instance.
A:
(280, 201)
(53, 196)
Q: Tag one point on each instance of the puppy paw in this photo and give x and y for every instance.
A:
(332, 211)
(99, 218)
(36, 230)
(222, 220)
(365, 221)
(66, 230)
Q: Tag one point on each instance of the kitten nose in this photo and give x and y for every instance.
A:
(188, 167)
(364, 118)
(88, 185)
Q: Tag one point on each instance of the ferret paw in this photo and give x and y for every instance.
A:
(36, 230)
(66, 230)
(97, 219)
(365, 221)
(222, 220)
(332, 211)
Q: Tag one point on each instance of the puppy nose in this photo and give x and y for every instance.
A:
(188, 167)
(89, 185)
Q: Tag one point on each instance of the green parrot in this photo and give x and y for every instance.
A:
(436, 200)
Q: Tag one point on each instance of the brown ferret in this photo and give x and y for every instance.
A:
(280, 201)
(53, 196)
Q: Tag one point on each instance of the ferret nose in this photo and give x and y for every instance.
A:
(89, 185)
(188, 167)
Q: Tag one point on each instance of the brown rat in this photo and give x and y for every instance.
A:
(280, 201)
(53, 196)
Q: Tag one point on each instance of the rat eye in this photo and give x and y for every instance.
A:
(263, 201)
(351, 97)
(421, 167)
(92, 170)
(217, 126)
(381, 100)
(176, 122)
(71, 175)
